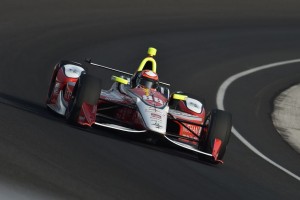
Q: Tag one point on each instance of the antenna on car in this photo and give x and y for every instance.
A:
(89, 61)
(151, 53)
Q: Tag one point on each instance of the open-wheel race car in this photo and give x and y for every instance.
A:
(139, 103)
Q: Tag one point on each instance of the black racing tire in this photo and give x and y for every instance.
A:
(87, 89)
(219, 126)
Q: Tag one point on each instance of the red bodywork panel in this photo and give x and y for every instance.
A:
(193, 118)
(183, 131)
(216, 149)
(60, 83)
(87, 114)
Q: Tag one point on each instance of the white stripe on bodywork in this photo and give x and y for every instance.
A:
(186, 146)
(59, 107)
(120, 128)
(220, 104)
(73, 71)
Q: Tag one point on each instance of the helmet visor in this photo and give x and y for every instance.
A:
(148, 83)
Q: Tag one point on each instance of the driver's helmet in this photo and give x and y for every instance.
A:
(147, 79)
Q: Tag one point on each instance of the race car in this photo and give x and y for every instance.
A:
(139, 103)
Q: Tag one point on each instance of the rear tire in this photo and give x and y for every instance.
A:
(219, 126)
(87, 89)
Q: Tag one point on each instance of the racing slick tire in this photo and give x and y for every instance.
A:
(87, 89)
(219, 126)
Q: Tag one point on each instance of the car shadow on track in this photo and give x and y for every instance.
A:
(137, 139)
(28, 106)
(142, 140)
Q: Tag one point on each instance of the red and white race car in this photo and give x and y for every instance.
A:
(139, 103)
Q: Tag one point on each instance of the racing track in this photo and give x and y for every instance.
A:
(199, 46)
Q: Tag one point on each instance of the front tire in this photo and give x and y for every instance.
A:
(87, 89)
(219, 127)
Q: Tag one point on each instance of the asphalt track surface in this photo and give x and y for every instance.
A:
(200, 44)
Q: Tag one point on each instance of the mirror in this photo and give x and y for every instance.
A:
(119, 80)
(180, 97)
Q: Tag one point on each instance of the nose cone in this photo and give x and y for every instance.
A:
(155, 119)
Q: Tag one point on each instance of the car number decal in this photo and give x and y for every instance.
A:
(155, 99)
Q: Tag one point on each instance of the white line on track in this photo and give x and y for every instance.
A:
(220, 104)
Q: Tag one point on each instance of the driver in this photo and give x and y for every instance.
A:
(147, 79)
